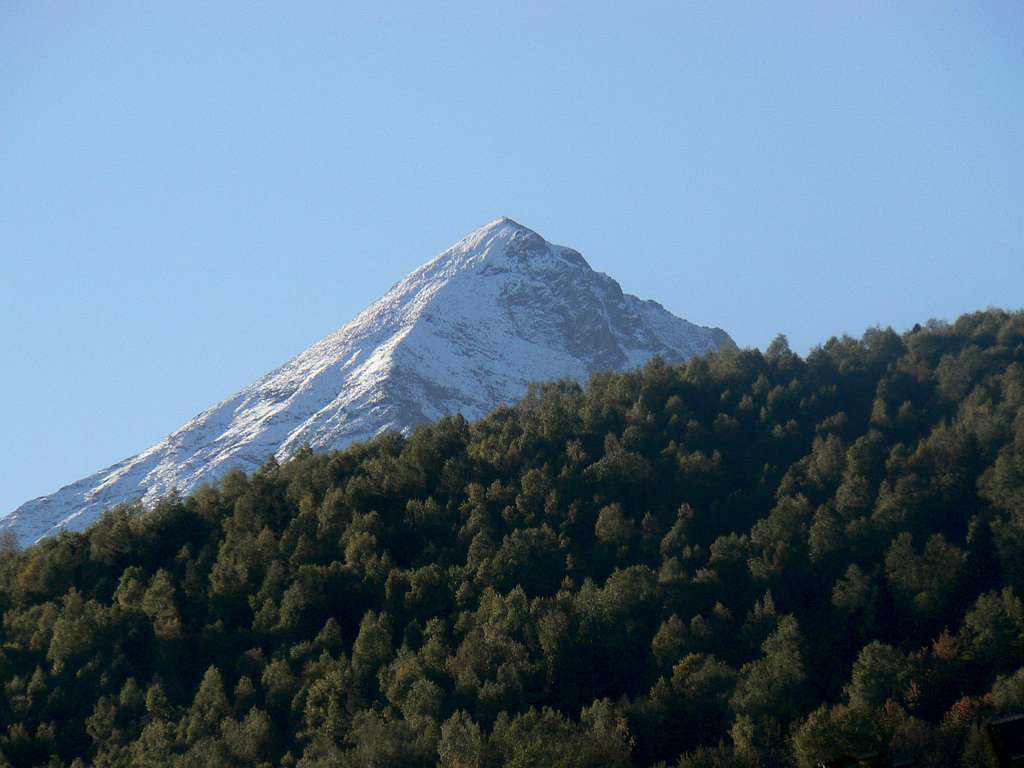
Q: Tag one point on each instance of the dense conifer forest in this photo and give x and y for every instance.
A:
(751, 559)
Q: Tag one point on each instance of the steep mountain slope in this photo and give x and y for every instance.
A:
(463, 333)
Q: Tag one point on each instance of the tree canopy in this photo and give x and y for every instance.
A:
(745, 560)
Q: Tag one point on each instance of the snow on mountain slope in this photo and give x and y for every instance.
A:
(463, 333)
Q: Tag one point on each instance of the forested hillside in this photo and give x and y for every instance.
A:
(752, 559)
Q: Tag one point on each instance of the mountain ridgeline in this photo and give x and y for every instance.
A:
(747, 559)
(464, 333)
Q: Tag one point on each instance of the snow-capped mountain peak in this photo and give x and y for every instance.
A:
(463, 333)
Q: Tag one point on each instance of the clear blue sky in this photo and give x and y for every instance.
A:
(191, 193)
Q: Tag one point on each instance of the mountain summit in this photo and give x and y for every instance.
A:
(464, 333)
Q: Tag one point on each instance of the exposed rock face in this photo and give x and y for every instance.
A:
(462, 334)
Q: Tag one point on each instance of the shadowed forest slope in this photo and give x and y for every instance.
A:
(751, 559)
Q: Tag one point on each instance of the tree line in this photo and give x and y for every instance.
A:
(753, 559)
